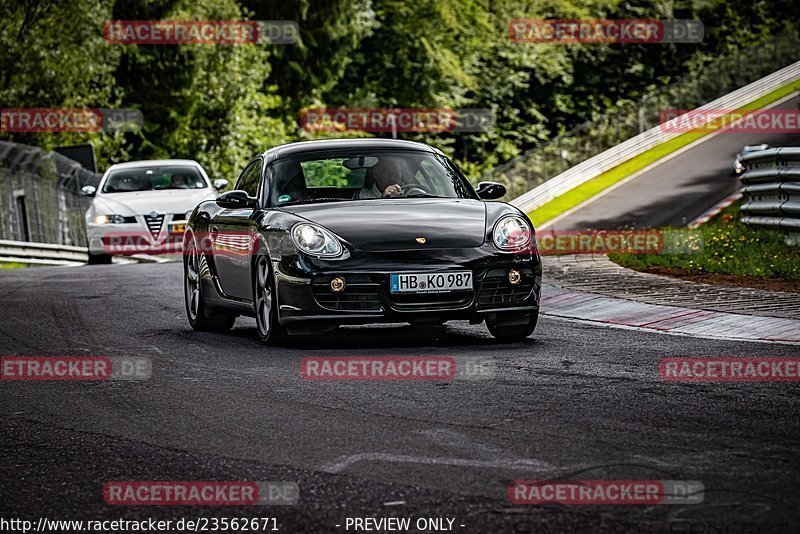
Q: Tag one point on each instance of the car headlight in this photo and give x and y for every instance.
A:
(109, 219)
(512, 232)
(316, 241)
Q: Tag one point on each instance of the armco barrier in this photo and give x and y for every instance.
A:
(771, 188)
(41, 253)
(28, 253)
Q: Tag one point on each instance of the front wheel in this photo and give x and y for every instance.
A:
(264, 303)
(517, 329)
(200, 318)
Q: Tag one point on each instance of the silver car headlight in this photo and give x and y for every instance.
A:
(316, 241)
(511, 233)
(109, 219)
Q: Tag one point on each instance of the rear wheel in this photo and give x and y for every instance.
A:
(518, 328)
(264, 303)
(199, 316)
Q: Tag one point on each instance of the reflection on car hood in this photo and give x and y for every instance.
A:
(164, 201)
(395, 224)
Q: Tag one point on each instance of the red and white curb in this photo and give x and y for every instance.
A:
(558, 302)
(715, 210)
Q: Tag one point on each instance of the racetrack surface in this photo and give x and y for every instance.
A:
(678, 190)
(574, 401)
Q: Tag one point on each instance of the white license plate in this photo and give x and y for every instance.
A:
(431, 282)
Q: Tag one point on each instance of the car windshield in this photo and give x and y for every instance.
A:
(154, 179)
(754, 148)
(365, 175)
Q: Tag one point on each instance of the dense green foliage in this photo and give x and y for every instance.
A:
(729, 247)
(222, 104)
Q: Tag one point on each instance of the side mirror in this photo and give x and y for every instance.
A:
(236, 200)
(220, 184)
(490, 190)
(88, 190)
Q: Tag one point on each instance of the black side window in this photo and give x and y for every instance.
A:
(250, 179)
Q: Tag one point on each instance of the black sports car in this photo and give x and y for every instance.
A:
(325, 233)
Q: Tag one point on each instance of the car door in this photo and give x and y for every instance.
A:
(232, 238)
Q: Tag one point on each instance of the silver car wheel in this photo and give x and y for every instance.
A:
(263, 297)
(193, 283)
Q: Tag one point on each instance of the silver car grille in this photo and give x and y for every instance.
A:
(154, 224)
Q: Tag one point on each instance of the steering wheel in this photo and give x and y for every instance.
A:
(408, 189)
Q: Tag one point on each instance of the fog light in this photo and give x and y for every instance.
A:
(338, 284)
(514, 277)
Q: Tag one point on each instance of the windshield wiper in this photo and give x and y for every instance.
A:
(420, 195)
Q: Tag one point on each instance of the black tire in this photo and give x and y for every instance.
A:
(99, 259)
(199, 316)
(513, 332)
(265, 301)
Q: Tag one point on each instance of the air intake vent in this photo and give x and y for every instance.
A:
(154, 224)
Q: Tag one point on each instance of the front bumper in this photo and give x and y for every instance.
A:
(304, 294)
(134, 238)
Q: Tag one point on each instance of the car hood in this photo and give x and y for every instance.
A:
(140, 202)
(396, 224)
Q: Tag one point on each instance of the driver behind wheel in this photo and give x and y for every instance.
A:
(384, 179)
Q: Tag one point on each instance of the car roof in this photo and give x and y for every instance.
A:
(154, 163)
(303, 147)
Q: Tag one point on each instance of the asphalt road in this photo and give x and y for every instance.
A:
(677, 191)
(575, 401)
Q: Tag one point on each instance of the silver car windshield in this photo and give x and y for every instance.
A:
(154, 179)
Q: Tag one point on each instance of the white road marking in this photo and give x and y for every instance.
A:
(344, 462)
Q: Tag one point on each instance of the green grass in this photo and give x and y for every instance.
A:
(585, 191)
(729, 248)
(12, 265)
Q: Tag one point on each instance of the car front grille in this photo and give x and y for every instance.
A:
(361, 294)
(154, 224)
(430, 301)
(496, 289)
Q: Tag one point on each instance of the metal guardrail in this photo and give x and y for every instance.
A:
(41, 253)
(27, 253)
(545, 172)
(771, 188)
